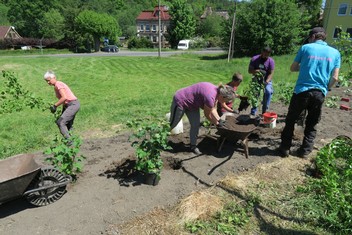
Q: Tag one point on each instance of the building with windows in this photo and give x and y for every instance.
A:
(8, 32)
(148, 25)
(337, 13)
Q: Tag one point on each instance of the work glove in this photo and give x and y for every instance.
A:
(235, 111)
(221, 123)
(53, 108)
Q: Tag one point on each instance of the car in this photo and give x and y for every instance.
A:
(110, 48)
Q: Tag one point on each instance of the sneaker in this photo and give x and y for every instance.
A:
(283, 152)
(196, 151)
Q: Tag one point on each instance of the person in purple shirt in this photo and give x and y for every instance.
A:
(191, 99)
(265, 65)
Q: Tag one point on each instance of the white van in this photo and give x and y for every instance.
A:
(184, 44)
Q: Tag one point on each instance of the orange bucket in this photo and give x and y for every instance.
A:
(270, 118)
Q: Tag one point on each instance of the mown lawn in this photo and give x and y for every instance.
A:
(112, 90)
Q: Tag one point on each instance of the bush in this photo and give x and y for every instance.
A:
(139, 43)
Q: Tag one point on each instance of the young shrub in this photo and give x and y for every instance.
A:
(64, 154)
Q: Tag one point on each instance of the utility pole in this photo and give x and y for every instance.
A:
(232, 38)
(159, 31)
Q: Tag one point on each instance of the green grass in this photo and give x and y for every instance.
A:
(112, 90)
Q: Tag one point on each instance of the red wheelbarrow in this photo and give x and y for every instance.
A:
(237, 127)
(21, 176)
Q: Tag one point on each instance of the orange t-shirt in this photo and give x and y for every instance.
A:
(69, 94)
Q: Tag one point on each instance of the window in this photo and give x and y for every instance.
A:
(154, 39)
(351, 11)
(142, 27)
(154, 28)
(342, 9)
(336, 32)
(349, 30)
(147, 28)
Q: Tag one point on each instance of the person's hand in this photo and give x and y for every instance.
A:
(235, 111)
(221, 123)
(53, 108)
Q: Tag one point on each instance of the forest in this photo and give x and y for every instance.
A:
(78, 23)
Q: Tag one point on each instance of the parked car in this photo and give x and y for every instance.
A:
(110, 48)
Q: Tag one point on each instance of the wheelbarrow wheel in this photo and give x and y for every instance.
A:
(46, 179)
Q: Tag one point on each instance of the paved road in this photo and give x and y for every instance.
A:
(132, 53)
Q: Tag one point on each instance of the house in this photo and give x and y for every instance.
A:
(209, 11)
(337, 13)
(8, 32)
(148, 25)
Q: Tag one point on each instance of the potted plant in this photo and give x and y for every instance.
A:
(150, 141)
(254, 89)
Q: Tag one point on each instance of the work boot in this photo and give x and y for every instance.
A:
(283, 152)
(195, 150)
(301, 153)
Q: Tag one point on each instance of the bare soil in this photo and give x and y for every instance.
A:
(109, 193)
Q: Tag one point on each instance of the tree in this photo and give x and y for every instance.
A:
(52, 25)
(311, 10)
(182, 23)
(3, 14)
(97, 25)
(259, 23)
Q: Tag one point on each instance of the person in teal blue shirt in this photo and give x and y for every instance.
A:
(318, 65)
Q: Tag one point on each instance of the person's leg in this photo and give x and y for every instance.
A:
(70, 123)
(314, 107)
(67, 115)
(194, 121)
(297, 104)
(176, 115)
(268, 92)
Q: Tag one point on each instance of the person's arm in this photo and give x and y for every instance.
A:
(252, 70)
(334, 78)
(294, 67)
(62, 99)
(270, 76)
(227, 108)
(211, 114)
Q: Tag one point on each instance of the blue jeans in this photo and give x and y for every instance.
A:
(312, 101)
(268, 92)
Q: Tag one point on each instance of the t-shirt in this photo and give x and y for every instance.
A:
(317, 61)
(69, 94)
(268, 64)
(196, 96)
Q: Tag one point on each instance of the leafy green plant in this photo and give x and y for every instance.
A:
(332, 190)
(344, 80)
(254, 89)
(150, 139)
(14, 98)
(331, 102)
(64, 154)
(285, 92)
(344, 44)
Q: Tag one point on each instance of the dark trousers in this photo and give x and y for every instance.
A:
(312, 101)
(65, 122)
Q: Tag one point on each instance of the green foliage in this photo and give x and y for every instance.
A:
(14, 98)
(150, 140)
(274, 23)
(182, 23)
(212, 26)
(52, 25)
(254, 89)
(331, 102)
(345, 80)
(64, 154)
(333, 190)
(344, 44)
(98, 25)
(284, 92)
(135, 42)
(228, 221)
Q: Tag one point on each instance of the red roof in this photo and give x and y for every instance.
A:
(4, 30)
(153, 15)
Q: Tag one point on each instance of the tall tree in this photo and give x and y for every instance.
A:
(182, 23)
(311, 9)
(52, 25)
(3, 15)
(259, 23)
(97, 25)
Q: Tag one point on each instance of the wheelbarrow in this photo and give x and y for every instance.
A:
(21, 176)
(237, 128)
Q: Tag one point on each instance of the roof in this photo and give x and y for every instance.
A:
(153, 15)
(8, 32)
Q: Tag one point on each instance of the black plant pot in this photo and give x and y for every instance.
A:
(151, 178)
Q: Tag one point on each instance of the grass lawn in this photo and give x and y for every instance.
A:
(112, 90)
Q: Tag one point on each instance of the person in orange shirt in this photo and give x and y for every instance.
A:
(67, 99)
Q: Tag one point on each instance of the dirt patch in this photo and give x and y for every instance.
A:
(109, 193)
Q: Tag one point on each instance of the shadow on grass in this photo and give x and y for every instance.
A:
(217, 57)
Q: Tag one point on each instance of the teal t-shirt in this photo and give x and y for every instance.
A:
(317, 61)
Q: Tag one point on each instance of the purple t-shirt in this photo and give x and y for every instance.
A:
(258, 62)
(196, 96)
